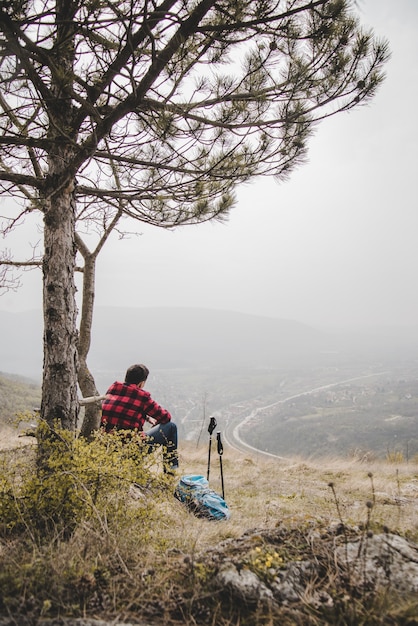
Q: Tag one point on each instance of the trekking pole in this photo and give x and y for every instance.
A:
(211, 428)
(220, 452)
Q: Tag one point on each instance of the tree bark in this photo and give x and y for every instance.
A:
(59, 384)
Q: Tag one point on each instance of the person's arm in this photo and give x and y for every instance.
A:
(155, 413)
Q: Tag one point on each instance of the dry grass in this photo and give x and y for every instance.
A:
(114, 571)
(262, 492)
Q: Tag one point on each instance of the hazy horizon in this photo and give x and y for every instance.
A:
(348, 326)
(173, 338)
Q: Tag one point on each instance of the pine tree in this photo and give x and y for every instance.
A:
(156, 111)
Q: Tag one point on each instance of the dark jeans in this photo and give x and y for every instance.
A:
(164, 435)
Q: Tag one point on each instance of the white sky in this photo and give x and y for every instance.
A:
(336, 245)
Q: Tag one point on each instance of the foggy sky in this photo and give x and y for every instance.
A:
(336, 245)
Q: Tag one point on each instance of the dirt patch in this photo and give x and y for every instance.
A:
(11, 438)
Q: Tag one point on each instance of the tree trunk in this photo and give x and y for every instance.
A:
(86, 382)
(92, 412)
(59, 384)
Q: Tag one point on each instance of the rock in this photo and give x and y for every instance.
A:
(331, 562)
(244, 584)
(290, 583)
(381, 560)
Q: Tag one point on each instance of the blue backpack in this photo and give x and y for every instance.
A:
(194, 491)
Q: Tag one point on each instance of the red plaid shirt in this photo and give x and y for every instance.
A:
(127, 407)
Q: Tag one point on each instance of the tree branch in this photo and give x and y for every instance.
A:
(134, 99)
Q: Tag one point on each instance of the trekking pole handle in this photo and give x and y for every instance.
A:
(220, 446)
(212, 425)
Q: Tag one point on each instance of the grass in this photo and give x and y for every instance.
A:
(139, 553)
(262, 492)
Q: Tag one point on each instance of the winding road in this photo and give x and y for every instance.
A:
(233, 426)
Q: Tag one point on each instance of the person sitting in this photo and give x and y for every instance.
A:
(127, 406)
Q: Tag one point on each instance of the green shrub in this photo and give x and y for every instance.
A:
(73, 517)
(72, 480)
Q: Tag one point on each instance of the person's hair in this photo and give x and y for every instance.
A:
(136, 374)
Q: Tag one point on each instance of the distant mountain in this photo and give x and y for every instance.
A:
(167, 338)
(177, 337)
(164, 338)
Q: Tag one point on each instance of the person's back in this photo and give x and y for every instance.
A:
(127, 406)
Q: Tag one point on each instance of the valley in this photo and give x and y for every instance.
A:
(312, 413)
(276, 386)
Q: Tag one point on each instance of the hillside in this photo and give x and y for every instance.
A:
(17, 396)
(369, 414)
(170, 567)
(138, 556)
